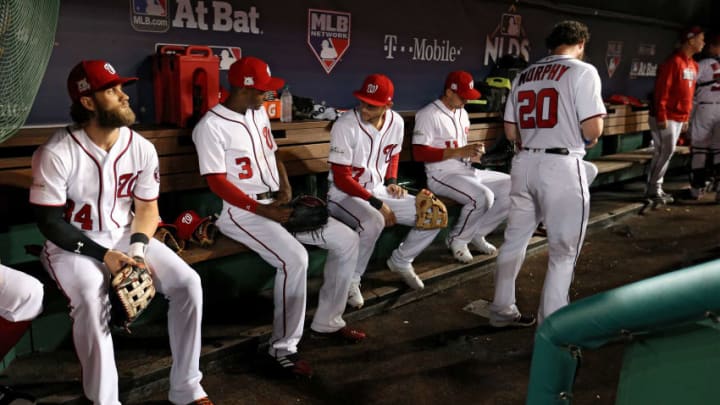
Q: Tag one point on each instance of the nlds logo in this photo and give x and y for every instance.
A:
(328, 36)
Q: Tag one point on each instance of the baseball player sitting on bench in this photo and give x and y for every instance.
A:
(236, 151)
(87, 179)
(364, 153)
(21, 298)
(440, 140)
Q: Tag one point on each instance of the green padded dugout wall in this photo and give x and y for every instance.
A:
(675, 349)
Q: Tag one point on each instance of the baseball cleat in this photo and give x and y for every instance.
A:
(460, 252)
(484, 246)
(290, 366)
(408, 275)
(345, 334)
(696, 193)
(355, 297)
(10, 396)
(519, 320)
(202, 401)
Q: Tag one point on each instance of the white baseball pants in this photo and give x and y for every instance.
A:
(664, 142)
(85, 282)
(705, 135)
(484, 195)
(286, 253)
(369, 224)
(21, 295)
(552, 189)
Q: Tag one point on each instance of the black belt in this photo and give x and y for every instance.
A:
(266, 196)
(709, 102)
(554, 151)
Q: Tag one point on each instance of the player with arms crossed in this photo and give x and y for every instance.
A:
(365, 148)
(705, 123)
(555, 111)
(440, 140)
(21, 298)
(95, 189)
(672, 103)
(236, 151)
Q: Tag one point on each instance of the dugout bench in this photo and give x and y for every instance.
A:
(303, 147)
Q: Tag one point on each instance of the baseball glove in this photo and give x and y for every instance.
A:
(131, 291)
(167, 234)
(431, 212)
(309, 214)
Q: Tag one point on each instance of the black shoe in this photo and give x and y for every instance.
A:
(8, 396)
(522, 320)
(289, 366)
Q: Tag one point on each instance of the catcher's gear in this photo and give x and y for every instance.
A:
(167, 234)
(309, 214)
(131, 291)
(431, 212)
(191, 227)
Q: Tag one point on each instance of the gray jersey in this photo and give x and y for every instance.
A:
(709, 72)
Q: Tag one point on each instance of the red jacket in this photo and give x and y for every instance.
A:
(674, 88)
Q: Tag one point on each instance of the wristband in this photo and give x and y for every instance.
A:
(390, 181)
(138, 244)
(375, 202)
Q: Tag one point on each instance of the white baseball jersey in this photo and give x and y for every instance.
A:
(368, 150)
(241, 146)
(549, 101)
(438, 127)
(97, 186)
(709, 71)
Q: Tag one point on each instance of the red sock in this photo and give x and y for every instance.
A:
(10, 333)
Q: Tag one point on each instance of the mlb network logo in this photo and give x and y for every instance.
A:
(328, 36)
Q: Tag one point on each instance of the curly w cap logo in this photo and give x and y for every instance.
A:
(371, 88)
(187, 219)
(328, 36)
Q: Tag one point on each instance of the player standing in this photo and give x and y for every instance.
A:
(87, 179)
(554, 110)
(705, 123)
(21, 298)
(236, 151)
(674, 87)
(365, 148)
(440, 140)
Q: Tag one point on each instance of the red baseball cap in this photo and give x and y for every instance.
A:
(462, 83)
(90, 76)
(187, 222)
(254, 73)
(376, 90)
(690, 33)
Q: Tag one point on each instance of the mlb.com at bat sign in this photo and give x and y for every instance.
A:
(328, 36)
(203, 15)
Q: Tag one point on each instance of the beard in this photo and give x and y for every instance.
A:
(116, 117)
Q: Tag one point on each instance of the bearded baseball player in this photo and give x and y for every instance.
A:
(86, 180)
(555, 111)
(674, 88)
(236, 150)
(21, 299)
(440, 140)
(365, 148)
(705, 123)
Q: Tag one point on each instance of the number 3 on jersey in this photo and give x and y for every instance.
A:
(538, 109)
(244, 168)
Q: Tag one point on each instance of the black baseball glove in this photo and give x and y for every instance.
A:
(309, 214)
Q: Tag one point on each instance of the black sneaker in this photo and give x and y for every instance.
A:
(8, 396)
(290, 366)
(522, 320)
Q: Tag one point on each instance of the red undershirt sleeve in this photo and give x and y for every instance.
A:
(425, 153)
(342, 177)
(392, 169)
(220, 185)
